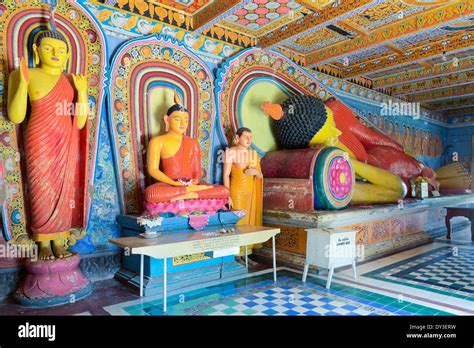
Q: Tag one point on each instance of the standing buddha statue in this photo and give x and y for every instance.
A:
(52, 142)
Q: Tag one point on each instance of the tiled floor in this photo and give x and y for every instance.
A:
(288, 296)
(434, 279)
(439, 275)
(445, 270)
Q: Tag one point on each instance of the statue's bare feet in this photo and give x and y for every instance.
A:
(60, 249)
(45, 252)
(240, 259)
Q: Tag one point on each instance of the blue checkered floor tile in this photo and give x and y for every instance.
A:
(259, 295)
(448, 270)
(288, 298)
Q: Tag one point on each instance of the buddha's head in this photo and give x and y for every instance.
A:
(177, 119)
(51, 50)
(302, 121)
(243, 137)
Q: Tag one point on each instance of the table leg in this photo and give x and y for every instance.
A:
(165, 307)
(274, 260)
(354, 271)
(472, 226)
(331, 272)
(448, 225)
(142, 257)
(246, 257)
(305, 272)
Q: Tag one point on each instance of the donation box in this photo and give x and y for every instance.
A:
(330, 248)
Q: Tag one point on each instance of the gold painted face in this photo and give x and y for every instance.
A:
(178, 122)
(52, 53)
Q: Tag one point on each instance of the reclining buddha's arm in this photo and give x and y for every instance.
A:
(153, 161)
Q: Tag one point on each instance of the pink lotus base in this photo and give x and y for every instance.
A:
(52, 283)
(186, 207)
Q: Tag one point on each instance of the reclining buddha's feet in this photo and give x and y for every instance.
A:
(45, 251)
(60, 249)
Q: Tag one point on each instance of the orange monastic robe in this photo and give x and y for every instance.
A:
(246, 192)
(54, 166)
(184, 165)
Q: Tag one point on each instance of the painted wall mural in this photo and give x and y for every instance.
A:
(127, 25)
(459, 145)
(462, 120)
(418, 142)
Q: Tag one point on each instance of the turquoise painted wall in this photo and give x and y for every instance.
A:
(460, 143)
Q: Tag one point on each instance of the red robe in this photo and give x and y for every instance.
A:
(54, 166)
(376, 149)
(184, 165)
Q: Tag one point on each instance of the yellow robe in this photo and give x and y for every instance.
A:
(246, 192)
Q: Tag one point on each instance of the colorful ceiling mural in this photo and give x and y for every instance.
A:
(399, 47)
(261, 16)
(188, 6)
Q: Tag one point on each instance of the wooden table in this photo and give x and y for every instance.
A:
(186, 243)
(466, 210)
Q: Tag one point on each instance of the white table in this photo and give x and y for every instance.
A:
(186, 243)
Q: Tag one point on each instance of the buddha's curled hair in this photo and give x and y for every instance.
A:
(303, 117)
(50, 34)
(174, 108)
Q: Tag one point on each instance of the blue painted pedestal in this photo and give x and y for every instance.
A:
(183, 271)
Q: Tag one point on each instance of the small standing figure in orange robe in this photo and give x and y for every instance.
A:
(174, 160)
(54, 161)
(243, 176)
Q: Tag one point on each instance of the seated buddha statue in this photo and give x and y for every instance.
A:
(174, 160)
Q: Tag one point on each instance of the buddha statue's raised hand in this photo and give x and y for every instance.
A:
(18, 93)
(80, 82)
(24, 73)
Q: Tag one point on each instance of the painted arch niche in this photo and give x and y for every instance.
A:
(20, 24)
(252, 77)
(145, 74)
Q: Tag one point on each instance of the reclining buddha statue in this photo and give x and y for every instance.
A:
(174, 160)
(381, 164)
